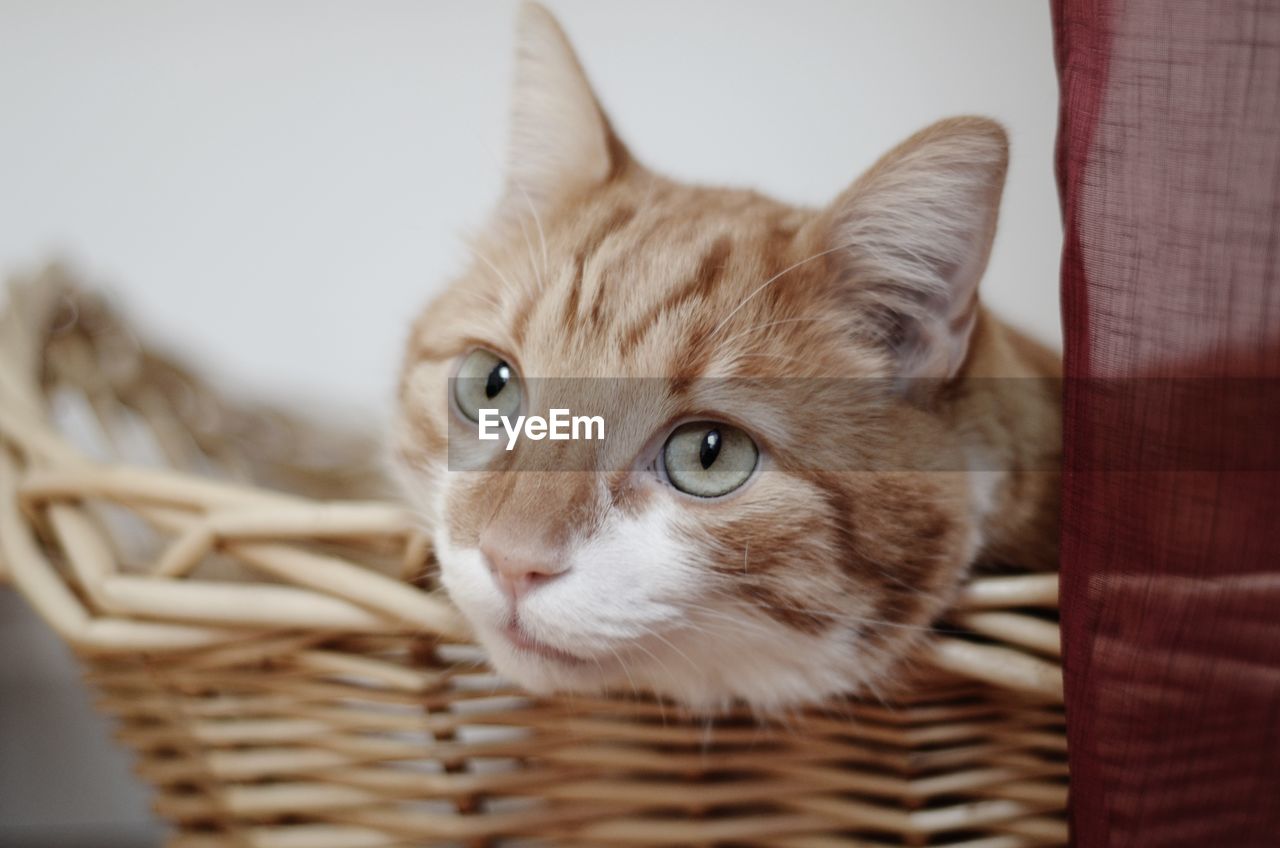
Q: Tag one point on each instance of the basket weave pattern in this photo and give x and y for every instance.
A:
(284, 686)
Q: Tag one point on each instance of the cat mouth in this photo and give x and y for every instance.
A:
(520, 638)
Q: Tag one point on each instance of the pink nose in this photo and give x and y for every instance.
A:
(519, 568)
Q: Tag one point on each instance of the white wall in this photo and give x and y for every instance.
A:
(274, 188)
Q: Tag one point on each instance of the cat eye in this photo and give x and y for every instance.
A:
(708, 459)
(486, 381)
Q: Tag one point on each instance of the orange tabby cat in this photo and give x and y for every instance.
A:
(775, 547)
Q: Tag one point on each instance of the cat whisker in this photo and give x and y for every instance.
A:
(886, 571)
(769, 282)
(622, 664)
(494, 268)
(500, 163)
(843, 616)
(767, 324)
(528, 246)
(738, 627)
(664, 640)
(665, 670)
(537, 222)
(649, 653)
(773, 356)
(708, 726)
(732, 631)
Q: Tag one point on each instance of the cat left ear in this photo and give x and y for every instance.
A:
(559, 137)
(912, 237)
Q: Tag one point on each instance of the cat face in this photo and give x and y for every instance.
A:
(710, 324)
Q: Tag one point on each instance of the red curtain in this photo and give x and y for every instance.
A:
(1169, 169)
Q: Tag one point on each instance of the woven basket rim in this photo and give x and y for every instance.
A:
(165, 611)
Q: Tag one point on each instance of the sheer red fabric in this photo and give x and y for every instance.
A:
(1169, 169)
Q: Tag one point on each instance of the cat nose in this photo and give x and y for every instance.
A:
(518, 569)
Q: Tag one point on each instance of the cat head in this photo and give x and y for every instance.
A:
(720, 545)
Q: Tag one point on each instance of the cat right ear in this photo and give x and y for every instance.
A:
(911, 239)
(559, 138)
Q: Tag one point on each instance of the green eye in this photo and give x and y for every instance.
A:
(707, 459)
(486, 381)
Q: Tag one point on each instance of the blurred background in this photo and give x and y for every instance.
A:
(272, 189)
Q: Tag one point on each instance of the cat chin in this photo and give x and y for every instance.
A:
(778, 685)
(769, 668)
(765, 695)
(693, 663)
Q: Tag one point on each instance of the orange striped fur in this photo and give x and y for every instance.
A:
(813, 578)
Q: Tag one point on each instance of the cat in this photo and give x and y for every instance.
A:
(731, 555)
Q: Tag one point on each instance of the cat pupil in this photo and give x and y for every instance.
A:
(710, 448)
(497, 380)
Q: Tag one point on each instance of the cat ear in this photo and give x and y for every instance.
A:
(559, 136)
(912, 237)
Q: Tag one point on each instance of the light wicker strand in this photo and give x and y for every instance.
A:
(269, 633)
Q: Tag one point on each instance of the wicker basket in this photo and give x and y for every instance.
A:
(283, 686)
